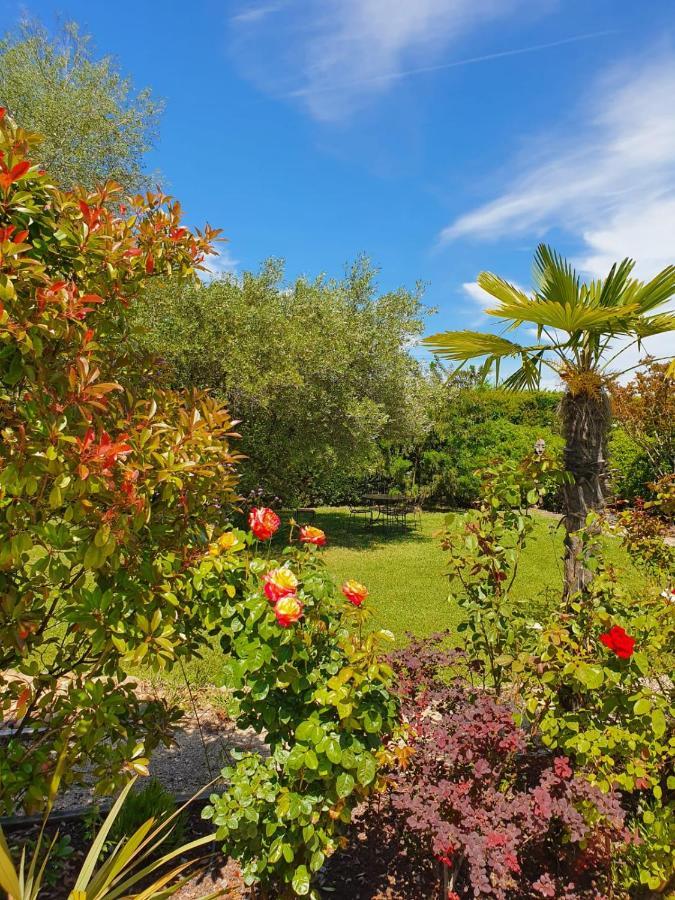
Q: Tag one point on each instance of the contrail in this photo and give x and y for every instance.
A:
(472, 60)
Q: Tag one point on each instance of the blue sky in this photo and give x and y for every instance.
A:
(440, 137)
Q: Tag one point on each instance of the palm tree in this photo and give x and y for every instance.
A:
(577, 326)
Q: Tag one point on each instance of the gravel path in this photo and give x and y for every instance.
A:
(200, 751)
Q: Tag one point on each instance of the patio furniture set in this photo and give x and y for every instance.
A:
(386, 510)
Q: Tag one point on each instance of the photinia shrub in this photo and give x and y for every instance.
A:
(304, 675)
(502, 817)
(109, 485)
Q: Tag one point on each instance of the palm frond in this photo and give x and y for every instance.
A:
(647, 296)
(564, 317)
(501, 289)
(661, 323)
(555, 279)
(611, 291)
(465, 345)
(527, 377)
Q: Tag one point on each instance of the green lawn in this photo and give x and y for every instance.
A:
(404, 572)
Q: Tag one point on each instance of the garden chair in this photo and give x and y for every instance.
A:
(360, 512)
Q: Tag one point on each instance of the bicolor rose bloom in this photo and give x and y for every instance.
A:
(225, 542)
(354, 592)
(618, 642)
(263, 522)
(279, 583)
(311, 535)
(288, 610)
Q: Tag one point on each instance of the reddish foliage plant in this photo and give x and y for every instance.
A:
(506, 818)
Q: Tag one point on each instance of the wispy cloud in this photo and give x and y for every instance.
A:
(385, 77)
(609, 179)
(219, 264)
(255, 13)
(335, 55)
(477, 294)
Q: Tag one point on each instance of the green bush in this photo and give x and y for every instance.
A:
(629, 466)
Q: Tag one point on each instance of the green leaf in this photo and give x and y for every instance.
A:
(333, 751)
(311, 760)
(306, 731)
(641, 661)
(366, 769)
(344, 785)
(658, 723)
(317, 860)
(642, 707)
(590, 676)
(301, 881)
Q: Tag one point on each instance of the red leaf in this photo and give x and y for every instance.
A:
(150, 264)
(20, 169)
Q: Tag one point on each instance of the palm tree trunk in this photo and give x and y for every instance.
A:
(585, 419)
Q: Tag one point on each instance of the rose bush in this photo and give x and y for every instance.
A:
(303, 675)
(590, 678)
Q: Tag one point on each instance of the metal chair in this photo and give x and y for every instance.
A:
(357, 512)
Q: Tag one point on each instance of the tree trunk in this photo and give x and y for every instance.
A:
(585, 421)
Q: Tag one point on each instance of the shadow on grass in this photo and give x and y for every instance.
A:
(354, 534)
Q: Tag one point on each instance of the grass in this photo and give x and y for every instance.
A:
(404, 572)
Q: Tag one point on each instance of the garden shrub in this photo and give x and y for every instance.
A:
(645, 408)
(502, 817)
(590, 678)
(108, 483)
(629, 467)
(304, 673)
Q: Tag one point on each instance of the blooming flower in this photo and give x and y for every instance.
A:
(619, 642)
(311, 535)
(354, 592)
(669, 595)
(227, 540)
(279, 583)
(288, 610)
(263, 522)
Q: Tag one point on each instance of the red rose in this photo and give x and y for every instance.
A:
(288, 610)
(279, 583)
(354, 592)
(311, 535)
(619, 642)
(263, 522)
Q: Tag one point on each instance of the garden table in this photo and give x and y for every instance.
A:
(385, 504)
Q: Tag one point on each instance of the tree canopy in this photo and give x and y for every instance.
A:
(318, 371)
(94, 126)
